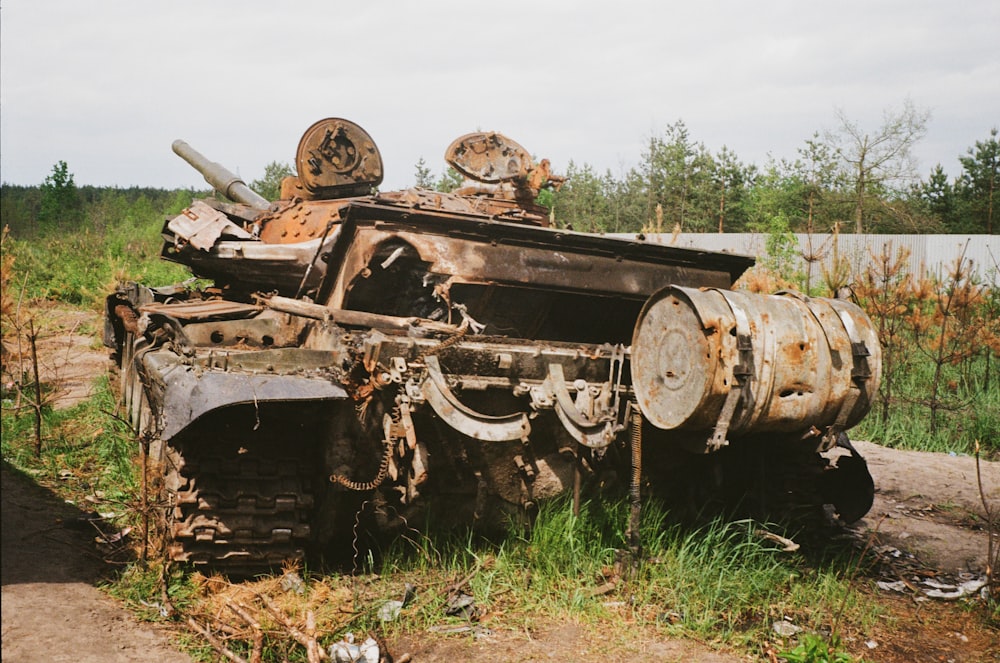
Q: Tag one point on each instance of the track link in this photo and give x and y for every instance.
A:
(237, 510)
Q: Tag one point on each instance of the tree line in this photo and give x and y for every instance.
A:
(852, 179)
(849, 179)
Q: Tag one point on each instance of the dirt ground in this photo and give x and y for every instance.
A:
(927, 514)
(51, 609)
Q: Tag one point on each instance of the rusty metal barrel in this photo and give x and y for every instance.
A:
(735, 363)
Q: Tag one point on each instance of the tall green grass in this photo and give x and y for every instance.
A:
(970, 411)
(85, 449)
(79, 265)
(721, 581)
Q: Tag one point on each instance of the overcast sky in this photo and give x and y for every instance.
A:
(107, 85)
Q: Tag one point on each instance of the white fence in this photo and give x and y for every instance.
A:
(928, 254)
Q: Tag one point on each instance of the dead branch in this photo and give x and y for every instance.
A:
(991, 554)
(601, 590)
(312, 649)
(458, 585)
(37, 405)
(215, 642)
(164, 594)
(314, 652)
(258, 632)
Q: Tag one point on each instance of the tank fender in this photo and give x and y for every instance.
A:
(189, 394)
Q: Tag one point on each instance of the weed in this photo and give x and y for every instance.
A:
(815, 649)
(86, 453)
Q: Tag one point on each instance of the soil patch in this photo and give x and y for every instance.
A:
(929, 505)
(51, 609)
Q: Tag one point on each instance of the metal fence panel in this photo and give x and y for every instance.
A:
(932, 255)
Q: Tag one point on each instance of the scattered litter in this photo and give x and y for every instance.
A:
(113, 538)
(897, 586)
(871, 644)
(292, 582)
(785, 629)
(156, 605)
(461, 605)
(936, 590)
(476, 630)
(789, 545)
(949, 592)
(448, 630)
(346, 651)
(895, 553)
(389, 611)
(669, 617)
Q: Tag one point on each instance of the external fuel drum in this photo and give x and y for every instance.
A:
(724, 362)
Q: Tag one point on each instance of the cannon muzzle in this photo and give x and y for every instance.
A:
(221, 178)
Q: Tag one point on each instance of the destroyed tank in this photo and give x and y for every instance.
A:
(354, 358)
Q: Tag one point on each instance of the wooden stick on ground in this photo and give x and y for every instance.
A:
(258, 632)
(314, 652)
(215, 642)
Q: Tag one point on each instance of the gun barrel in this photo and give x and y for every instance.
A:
(222, 179)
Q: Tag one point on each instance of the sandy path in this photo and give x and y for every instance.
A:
(51, 610)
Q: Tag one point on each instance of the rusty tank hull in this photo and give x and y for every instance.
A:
(371, 357)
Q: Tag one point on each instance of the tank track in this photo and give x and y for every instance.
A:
(236, 510)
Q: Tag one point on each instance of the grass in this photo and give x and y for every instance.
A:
(79, 266)
(85, 449)
(720, 582)
(969, 413)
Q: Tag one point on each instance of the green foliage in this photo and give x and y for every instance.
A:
(719, 581)
(60, 201)
(85, 441)
(973, 413)
(450, 180)
(586, 202)
(873, 162)
(781, 247)
(944, 201)
(731, 181)
(117, 238)
(815, 649)
(678, 178)
(270, 185)
(979, 183)
(940, 343)
(423, 178)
